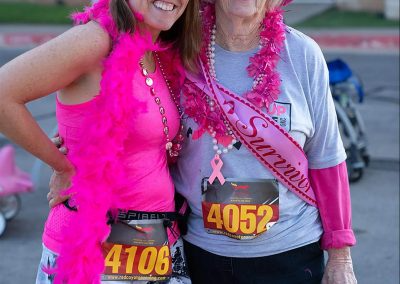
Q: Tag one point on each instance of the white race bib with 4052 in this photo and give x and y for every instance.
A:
(240, 208)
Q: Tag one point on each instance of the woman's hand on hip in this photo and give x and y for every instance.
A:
(59, 182)
(59, 143)
(339, 268)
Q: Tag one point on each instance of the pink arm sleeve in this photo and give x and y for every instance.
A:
(331, 187)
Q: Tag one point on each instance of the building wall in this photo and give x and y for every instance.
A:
(388, 7)
(365, 5)
(392, 9)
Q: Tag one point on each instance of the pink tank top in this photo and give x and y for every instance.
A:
(145, 152)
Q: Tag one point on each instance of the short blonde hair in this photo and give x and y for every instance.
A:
(271, 4)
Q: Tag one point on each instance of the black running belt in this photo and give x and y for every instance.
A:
(136, 215)
(141, 215)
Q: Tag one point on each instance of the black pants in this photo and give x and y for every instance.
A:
(303, 265)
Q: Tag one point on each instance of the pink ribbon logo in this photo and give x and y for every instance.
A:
(216, 165)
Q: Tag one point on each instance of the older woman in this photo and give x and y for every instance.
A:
(264, 166)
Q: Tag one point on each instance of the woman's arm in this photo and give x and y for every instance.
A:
(332, 190)
(328, 174)
(40, 72)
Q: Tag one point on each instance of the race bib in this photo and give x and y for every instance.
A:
(241, 208)
(137, 250)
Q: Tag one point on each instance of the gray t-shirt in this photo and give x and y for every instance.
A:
(305, 109)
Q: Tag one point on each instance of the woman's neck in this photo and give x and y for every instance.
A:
(148, 62)
(235, 33)
(146, 29)
(148, 58)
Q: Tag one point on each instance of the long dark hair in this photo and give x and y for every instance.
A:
(185, 34)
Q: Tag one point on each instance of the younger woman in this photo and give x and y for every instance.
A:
(118, 74)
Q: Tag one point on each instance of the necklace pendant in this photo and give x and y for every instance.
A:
(149, 81)
(173, 154)
(168, 146)
(216, 165)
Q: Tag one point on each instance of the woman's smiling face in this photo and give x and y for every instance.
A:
(159, 15)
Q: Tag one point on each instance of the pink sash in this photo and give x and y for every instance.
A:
(282, 155)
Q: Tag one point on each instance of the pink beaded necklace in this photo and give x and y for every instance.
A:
(172, 146)
(262, 68)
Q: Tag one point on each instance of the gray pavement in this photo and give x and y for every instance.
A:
(375, 197)
(33, 28)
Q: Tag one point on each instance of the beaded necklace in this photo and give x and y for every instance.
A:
(265, 90)
(262, 67)
(173, 147)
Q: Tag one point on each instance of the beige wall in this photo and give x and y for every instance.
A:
(392, 9)
(366, 5)
(388, 7)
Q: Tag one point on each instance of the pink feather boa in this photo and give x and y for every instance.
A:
(101, 184)
(264, 62)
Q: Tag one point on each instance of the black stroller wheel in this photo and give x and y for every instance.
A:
(3, 223)
(10, 206)
(356, 175)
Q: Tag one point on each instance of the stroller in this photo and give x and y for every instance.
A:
(347, 89)
(12, 181)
